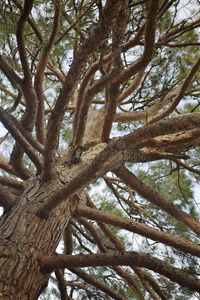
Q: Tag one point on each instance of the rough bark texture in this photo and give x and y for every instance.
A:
(24, 237)
(83, 121)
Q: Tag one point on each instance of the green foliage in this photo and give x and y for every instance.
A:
(168, 68)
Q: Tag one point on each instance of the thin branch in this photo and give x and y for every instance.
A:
(75, 22)
(139, 115)
(130, 280)
(132, 87)
(141, 209)
(174, 33)
(97, 283)
(146, 277)
(188, 79)
(18, 136)
(49, 263)
(149, 47)
(61, 285)
(94, 233)
(184, 165)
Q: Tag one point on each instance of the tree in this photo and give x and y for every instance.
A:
(100, 100)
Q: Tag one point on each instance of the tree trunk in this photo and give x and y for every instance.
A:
(24, 237)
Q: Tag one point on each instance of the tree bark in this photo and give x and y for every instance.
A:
(24, 237)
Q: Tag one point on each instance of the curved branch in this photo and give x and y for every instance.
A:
(180, 94)
(6, 198)
(18, 185)
(98, 35)
(10, 73)
(18, 136)
(20, 39)
(40, 74)
(16, 160)
(176, 32)
(180, 163)
(139, 115)
(31, 22)
(113, 76)
(26, 134)
(29, 117)
(4, 164)
(113, 89)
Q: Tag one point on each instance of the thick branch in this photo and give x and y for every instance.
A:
(183, 278)
(113, 89)
(4, 164)
(16, 160)
(9, 72)
(149, 48)
(105, 157)
(61, 284)
(40, 74)
(141, 229)
(98, 35)
(28, 119)
(6, 198)
(156, 199)
(18, 185)
(20, 39)
(120, 247)
(31, 22)
(25, 133)
(114, 76)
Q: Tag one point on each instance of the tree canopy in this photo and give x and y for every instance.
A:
(100, 157)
